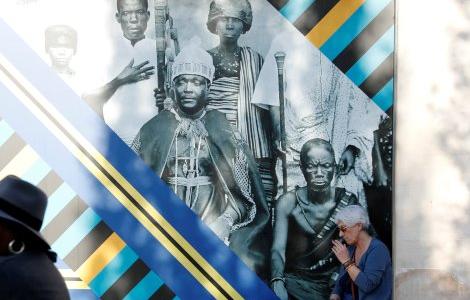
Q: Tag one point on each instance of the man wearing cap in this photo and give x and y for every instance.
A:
(27, 268)
(204, 161)
(125, 98)
(61, 46)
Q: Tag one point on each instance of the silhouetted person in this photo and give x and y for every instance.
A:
(27, 268)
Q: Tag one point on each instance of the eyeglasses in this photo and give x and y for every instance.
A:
(343, 228)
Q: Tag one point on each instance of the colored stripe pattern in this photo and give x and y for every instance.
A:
(99, 258)
(356, 35)
(123, 190)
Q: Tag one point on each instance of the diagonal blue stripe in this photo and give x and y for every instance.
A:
(295, 8)
(5, 132)
(113, 271)
(37, 172)
(81, 116)
(82, 295)
(145, 288)
(384, 98)
(76, 232)
(352, 27)
(57, 201)
(372, 58)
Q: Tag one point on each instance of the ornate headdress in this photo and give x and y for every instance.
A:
(240, 9)
(193, 60)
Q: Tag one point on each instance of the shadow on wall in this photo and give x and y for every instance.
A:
(430, 284)
(453, 141)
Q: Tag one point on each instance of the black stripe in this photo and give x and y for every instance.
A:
(366, 39)
(278, 4)
(376, 81)
(163, 293)
(10, 149)
(66, 217)
(314, 13)
(88, 245)
(119, 186)
(127, 281)
(50, 183)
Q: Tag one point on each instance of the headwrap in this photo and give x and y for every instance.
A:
(193, 60)
(60, 36)
(239, 9)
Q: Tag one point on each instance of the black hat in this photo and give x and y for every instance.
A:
(23, 204)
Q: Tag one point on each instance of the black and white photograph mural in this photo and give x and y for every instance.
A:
(266, 118)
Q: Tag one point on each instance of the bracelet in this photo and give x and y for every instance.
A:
(278, 279)
(348, 263)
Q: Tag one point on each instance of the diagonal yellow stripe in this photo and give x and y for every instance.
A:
(100, 258)
(332, 21)
(76, 285)
(20, 163)
(17, 89)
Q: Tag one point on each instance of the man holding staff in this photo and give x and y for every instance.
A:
(320, 102)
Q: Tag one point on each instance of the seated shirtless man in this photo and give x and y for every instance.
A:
(301, 260)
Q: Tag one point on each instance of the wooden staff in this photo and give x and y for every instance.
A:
(161, 16)
(280, 58)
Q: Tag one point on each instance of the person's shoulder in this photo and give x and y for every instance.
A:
(162, 117)
(216, 116)
(252, 51)
(342, 193)
(286, 203)
(378, 246)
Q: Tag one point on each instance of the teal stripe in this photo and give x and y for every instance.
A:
(372, 58)
(76, 232)
(37, 172)
(57, 201)
(145, 288)
(176, 298)
(352, 27)
(384, 98)
(113, 271)
(5, 132)
(295, 8)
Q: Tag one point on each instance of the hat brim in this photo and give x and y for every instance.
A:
(37, 234)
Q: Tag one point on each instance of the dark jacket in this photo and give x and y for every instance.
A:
(30, 275)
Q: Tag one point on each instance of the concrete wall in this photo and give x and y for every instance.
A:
(432, 179)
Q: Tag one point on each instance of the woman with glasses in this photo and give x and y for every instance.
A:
(366, 271)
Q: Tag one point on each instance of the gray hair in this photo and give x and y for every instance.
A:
(353, 214)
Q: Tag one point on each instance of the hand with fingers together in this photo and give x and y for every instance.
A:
(341, 251)
(132, 74)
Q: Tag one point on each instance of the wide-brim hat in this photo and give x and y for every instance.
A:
(23, 204)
